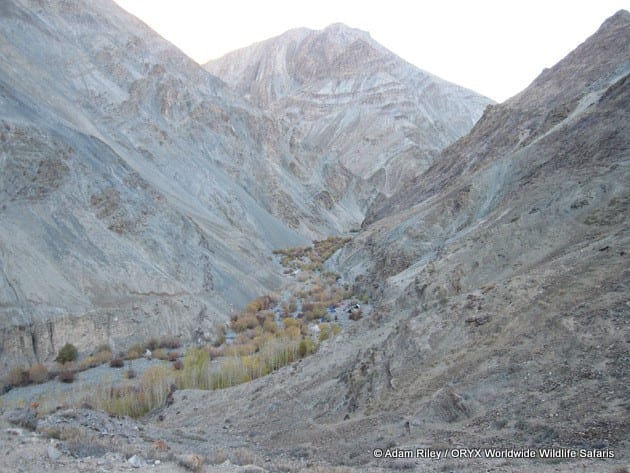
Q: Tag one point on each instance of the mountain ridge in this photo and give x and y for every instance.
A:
(338, 96)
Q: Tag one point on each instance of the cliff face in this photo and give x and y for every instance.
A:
(361, 122)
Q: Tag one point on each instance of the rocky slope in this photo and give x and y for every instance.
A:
(138, 191)
(360, 121)
(498, 278)
(501, 289)
(119, 218)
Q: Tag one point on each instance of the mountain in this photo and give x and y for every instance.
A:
(142, 195)
(361, 122)
(500, 282)
(119, 217)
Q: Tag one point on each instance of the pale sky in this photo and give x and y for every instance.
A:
(493, 47)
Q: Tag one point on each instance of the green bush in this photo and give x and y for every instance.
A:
(67, 354)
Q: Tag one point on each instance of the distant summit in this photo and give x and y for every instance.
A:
(360, 120)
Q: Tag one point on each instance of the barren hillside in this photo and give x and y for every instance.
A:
(493, 282)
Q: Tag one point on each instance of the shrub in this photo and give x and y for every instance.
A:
(17, 377)
(66, 376)
(293, 332)
(324, 332)
(172, 355)
(160, 354)
(130, 374)
(270, 326)
(195, 374)
(306, 347)
(178, 365)
(117, 363)
(67, 354)
(135, 351)
(152, 344)
(171, 342)
(38, 373)
(317, 312)
(243, 322)
(97, 359)
(216, 352)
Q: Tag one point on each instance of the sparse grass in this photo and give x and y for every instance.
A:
(138, 398)
(97, 359)
(269, 338)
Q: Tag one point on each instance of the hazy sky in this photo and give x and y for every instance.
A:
(493, 47)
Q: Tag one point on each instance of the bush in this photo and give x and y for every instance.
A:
(216, 352)
(67, 354)
(170, 342)
(178, 365)
(270, 326)
(17, 377)
(38, 373)
(306, 347)
(195, 374)
(355, 315)
(172, 356)
(160, 354)
(117, 363)
(135, 351)
(152, 344)
(66, 376)
(130, 374)
(97, 359)
(324, 332)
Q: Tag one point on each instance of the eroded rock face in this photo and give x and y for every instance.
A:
(119, 218)
(361, 122)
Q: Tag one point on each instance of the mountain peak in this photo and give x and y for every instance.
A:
(622, 17)
(344, 31)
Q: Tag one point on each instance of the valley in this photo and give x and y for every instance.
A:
(307, 256)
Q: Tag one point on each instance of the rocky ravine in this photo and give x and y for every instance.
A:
(501, 291)
(138, 192)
